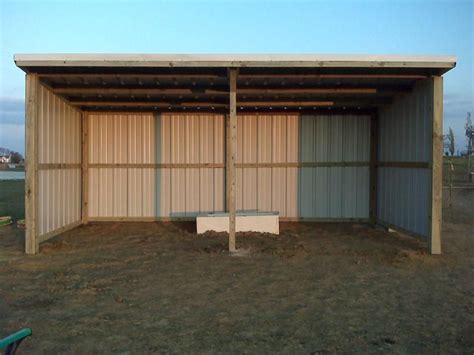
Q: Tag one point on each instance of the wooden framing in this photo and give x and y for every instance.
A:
(31, 165)
(436, 164)
(58, 166)
(131, 81)
(241, 76)
(441, 63)
(231, 145)
(85, 169)
(136, 91)
(237, 165)
(404, 164)
(373, 168)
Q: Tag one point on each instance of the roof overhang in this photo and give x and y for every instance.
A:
(235, 60)
(199, 81)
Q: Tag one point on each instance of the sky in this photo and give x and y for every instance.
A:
(334, 27)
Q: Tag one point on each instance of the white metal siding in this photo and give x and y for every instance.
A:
(59, 142)
(150, 191)
(403, 194)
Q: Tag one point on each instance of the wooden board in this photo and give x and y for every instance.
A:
(436, 165)
(31, 165)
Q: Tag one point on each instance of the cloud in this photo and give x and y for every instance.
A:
(12, 111)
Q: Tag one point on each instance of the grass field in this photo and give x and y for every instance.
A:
(12, 198)
(460, 169)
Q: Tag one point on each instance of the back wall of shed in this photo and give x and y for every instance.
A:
(160, 166)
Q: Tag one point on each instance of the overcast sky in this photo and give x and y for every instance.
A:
(354, 27)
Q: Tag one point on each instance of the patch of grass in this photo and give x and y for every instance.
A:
(459, 173)
(12, 198)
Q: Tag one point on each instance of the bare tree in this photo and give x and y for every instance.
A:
(469, 134)
(470, 143)
(16, 157)
(449, 143)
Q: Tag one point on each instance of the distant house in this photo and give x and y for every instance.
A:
(5, 159)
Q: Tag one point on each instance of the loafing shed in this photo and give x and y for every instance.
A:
(164, 137)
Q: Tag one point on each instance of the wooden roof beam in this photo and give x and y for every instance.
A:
(144, 91)
(203, 104)
(333, 76)
(128, 76)
(137, 91)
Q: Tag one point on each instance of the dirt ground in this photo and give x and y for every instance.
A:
(317, 288)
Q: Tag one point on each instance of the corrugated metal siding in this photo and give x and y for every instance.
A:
(308, 192)
(59, 142)
(313, 192)
(149, 139)
(403, 194)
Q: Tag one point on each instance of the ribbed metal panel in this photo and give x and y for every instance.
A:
(59, 142)
(308, 192)
(403, 194)
(148, 139)
(313, 192)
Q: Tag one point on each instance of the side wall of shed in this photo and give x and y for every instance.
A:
(404, 186)
(59, 164)
(146, 167)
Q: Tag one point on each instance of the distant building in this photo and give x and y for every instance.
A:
(5, 159)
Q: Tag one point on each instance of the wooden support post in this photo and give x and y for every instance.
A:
(373, 168)
(231, 146)
(31, 164)
(436, 164)
(85, 168)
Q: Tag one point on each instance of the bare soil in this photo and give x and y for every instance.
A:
(316, 288)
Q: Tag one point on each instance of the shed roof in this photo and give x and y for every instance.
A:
(236, 60)
(156, 82)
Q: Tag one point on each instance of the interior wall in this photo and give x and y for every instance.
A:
(308, 166)
(172, 165)
(59, 159)
(146, 166)
(404, 193)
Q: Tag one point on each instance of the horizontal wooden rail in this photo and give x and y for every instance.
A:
(241, 77)
(222, 165)
(147, 104)
(203, 104)
(136, 91)
(215, 91)
(129, 75)
(307, 91)
(49, 166)
(404, 164)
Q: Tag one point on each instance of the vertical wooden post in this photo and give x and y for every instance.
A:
(436, 164)
(31, 164)
(85, 168)
(231, 146)
(373, 168)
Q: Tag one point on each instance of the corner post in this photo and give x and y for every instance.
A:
(85, 168)
(373, 167)
(231, 149)
(31, 164)
(436, 164)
